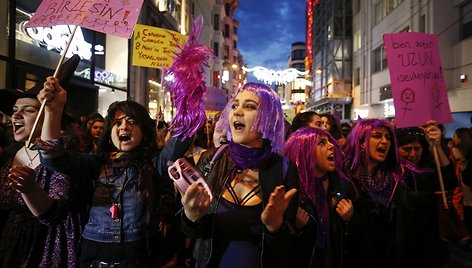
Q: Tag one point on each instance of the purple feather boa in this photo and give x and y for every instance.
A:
(187, 85)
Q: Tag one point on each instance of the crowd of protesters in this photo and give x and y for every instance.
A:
(313, 193)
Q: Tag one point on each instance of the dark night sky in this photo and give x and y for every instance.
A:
(267, 29)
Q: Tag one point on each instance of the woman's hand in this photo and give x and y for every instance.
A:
(196, 202)
(273, 215)
(302, 218)
(433, 133)
(345, 209)
(54, 95)
(23, 179)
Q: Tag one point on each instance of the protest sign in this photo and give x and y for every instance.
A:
(154, 47)
(418, 87)
(116, 17)
(215, 99)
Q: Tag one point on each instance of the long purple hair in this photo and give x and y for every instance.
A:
(300, 148)
(186, 83)
(356, 148)
(269, 120)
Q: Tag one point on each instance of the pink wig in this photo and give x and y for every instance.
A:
(187, 83)
(356, 148)
(300, 148)
(269, 120)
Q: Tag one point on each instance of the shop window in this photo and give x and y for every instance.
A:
(385, 93)
(226, 32)
(3, 29)
(357, 6)
(466, 20)
(228, 10)
(422, 24)
(379, 59)
(357, 76)
(357, 40)
(216, 49)
(216, 22)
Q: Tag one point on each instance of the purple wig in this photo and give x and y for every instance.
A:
(300, 148)
(356, 148)
(269, 120)
(187, 83)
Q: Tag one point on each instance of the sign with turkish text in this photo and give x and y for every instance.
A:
(418, 86)
(154, 47)
(215, 99)
(116, 17)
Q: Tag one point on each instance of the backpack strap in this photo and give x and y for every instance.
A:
(209, 166)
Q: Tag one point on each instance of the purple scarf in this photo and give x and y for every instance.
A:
(244, 157)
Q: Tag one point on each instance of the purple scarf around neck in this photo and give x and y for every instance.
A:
(244, 157)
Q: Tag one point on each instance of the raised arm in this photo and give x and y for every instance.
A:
(56, 98)
(434, 136)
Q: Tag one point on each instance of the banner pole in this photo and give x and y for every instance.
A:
(43, 104)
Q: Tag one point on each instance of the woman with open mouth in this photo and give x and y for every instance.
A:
(250, 220)
(325, 207)
(131, 195)
(372, 162)
(42, 225)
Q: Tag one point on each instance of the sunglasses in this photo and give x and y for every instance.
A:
(409, 132)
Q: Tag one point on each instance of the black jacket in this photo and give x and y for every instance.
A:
(275, 247)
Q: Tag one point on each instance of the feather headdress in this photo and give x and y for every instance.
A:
(185, 80)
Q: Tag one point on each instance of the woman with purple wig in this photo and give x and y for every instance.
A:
(249, 221)
(372, 162)
(324, 203)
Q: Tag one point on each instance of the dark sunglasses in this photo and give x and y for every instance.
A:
(409, 131)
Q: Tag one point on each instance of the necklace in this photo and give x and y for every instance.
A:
(31, 158)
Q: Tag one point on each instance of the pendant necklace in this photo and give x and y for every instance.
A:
(31, 158)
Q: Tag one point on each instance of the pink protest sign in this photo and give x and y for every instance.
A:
(418, 87)
(116, 17)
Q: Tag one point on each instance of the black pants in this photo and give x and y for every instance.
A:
(113, 255)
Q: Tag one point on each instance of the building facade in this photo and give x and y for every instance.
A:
(104, 74)
(329, 57)
(450, 20)
(232, 76)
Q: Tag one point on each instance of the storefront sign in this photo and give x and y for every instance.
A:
(154, 47)
(116, 17)
(419, 90)
(55, 38)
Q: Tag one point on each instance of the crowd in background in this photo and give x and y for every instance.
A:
(368, 193)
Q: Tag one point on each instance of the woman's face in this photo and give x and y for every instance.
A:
(96, 129)
(379, 145)
(461, 161)
(242, 117)
(25, 112)
(315, 122)
(411, 151)
(126, 134)
(324, 155)
(325, 124)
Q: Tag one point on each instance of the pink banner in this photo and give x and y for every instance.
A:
(418, 87)
(116, 17)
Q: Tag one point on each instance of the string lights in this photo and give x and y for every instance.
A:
(271, 76)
